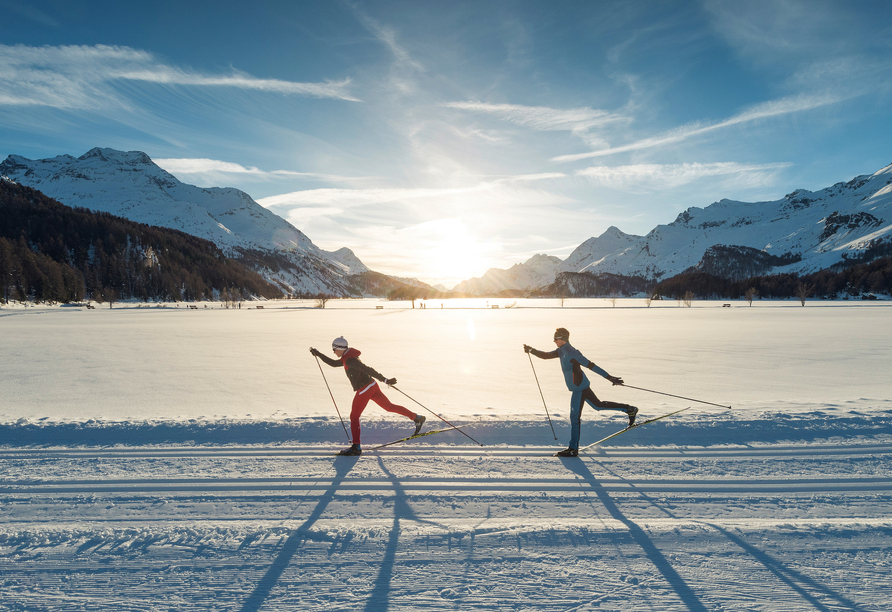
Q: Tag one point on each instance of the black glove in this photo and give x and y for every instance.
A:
(616, 380)
(527, 348)
(314, 352)
(389, 381)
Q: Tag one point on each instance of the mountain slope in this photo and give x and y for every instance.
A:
(537, 271)
(130, 185)
(803, 232)
(52, 252)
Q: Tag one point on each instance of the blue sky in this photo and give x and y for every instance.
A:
(438, 139)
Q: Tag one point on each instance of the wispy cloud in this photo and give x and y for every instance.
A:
(544, 118)
(359, 197)
(648, 177)
(214, 168)
(80, 77)
(363, 197)
(773, 108)
(388, 36)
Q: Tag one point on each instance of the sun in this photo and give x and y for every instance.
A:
(451, 252)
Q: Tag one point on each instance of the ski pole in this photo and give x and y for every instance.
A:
(438, 416)
(543, 397)
(333, 399)
(678, 396)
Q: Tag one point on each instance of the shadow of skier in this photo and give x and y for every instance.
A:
(342, 466)
(795, 580)
(676, 582)
(379, 598)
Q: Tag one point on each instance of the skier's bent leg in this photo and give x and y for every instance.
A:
(379, 398)
(598, 404)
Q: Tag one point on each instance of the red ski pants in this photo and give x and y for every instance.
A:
(360, 401)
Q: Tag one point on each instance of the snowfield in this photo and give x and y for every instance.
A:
(178, 459)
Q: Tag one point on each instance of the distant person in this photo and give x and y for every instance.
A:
(571, 365)
(360, 376)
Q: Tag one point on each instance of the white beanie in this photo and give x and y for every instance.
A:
(339, 343)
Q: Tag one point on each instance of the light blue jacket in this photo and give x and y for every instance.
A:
(571, 365)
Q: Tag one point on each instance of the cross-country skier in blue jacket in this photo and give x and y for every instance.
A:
(572, 362)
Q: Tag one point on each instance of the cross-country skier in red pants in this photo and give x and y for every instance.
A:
(361, 376)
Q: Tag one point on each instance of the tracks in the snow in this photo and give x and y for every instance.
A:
(535, 475)
(328, 452)
(456, 485)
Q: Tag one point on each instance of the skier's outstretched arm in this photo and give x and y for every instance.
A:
(616, 380)
(335, 363)
(540, 354)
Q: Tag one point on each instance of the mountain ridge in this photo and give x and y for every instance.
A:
(130, 185)
(802, 232)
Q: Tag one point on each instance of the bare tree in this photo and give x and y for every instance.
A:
(322, 300)
(750, 294)
(803, 290)
(648, 300)
(688, 298)
(563, 294)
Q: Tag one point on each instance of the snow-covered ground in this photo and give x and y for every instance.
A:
(182, 459)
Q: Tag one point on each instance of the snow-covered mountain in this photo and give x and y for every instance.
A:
(130, 185)
(803, 232)
(537, 271)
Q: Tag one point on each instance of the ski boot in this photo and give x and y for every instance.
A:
(569, 452)
(632, 412)
(354, 451)
(419, 421)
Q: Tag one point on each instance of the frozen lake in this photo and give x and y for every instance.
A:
(465, 362)
(180, 459)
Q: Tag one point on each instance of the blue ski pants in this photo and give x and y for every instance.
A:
(577, 401)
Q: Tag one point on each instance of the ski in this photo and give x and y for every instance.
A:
(622, 431)
(421, 435)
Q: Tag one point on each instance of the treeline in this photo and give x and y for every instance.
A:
(411, 293)
(53, 253)
(874, 277)
(587, 284)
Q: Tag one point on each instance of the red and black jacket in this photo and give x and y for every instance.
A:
(359, 374)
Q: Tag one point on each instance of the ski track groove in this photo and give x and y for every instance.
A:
(766, 529)
(455, 485)
(318, 451)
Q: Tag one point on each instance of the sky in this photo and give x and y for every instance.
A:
(439, 139)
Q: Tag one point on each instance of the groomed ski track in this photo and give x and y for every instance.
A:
(447, 527)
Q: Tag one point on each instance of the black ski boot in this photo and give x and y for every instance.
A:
(419, 421)
(632, 412)
(569, 452)
(354, 451)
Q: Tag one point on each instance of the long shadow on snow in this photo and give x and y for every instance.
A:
(790, 577)
(379, 599)
(793, 579)
(681, 588)
(265, 585)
